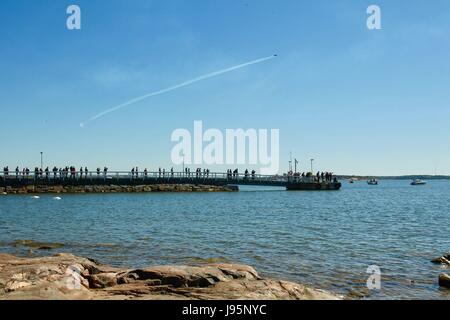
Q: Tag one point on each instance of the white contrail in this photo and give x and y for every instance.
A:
(186, 83)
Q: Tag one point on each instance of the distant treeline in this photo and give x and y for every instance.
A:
(410, 177)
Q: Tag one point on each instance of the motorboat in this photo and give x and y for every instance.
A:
(372, 182)
(418, 182)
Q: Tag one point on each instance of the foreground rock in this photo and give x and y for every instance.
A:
(65, 276)
(444, 280)
(445, 259)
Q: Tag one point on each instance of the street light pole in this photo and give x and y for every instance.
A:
(41, 160)
(312, 165)
(182, 173)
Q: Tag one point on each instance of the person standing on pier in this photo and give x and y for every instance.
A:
(145, 172)
(132, 173)
(160, 172)
(86, 171)
(17, 172)
(171, 172)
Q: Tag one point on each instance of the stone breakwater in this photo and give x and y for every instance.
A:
(65, 276)
(34, 189)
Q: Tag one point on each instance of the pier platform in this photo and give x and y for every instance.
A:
(120, 178)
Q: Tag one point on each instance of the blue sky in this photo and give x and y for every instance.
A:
(358, 101)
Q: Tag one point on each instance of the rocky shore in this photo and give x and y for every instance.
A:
(65, 276)
(444, 278)
(38, 189)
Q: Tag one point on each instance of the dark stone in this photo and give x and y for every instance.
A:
(444, 280)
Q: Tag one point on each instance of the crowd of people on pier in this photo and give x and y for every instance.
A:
(318, 177)
(71, 172)
(66, 172)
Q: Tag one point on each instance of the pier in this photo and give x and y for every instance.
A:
(126, 178)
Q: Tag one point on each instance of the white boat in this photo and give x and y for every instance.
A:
(372, 182)
(418, 182)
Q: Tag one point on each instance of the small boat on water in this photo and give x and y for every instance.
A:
(418, 182)
(372, 182)
(351, 180)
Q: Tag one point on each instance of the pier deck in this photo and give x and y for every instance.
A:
(154, 178)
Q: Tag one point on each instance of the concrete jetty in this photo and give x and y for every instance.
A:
(120, 181)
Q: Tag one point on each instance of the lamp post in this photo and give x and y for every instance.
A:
(312, 165)
(182, 172)
(41, 160)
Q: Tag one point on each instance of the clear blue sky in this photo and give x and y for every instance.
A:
(358, 101)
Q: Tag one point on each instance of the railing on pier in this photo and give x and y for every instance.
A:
(66, 176)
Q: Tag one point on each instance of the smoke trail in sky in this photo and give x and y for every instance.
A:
(186, 83)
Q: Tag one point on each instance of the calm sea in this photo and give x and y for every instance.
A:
(325, 239)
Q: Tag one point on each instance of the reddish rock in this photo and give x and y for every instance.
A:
(65, 276)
